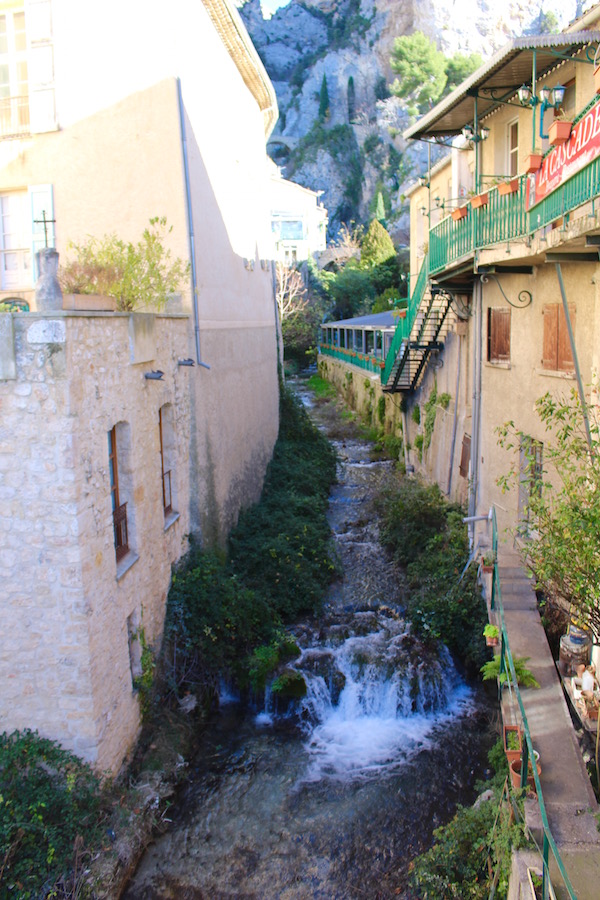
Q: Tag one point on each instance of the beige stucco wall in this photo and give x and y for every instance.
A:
(64, 655)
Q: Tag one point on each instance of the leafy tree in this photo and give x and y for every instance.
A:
(323, 101)
(380, 209)
(377, 246)
(351, 291)
(351, 100)
(564, 516)
(421, 70)
(459, 67)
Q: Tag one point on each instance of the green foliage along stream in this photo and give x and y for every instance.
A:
(278, 565)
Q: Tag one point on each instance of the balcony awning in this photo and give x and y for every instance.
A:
(500, 77)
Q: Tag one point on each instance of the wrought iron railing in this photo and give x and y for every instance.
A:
(507, 667)
(405, 325)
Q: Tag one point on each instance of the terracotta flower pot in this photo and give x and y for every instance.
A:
(512, 754)
(508, 187)
(460, 213)
(559, 132)
(534, 162)
(515, 774)
(480, 200)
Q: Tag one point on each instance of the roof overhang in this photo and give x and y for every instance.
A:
(498, 80)
(236, 39)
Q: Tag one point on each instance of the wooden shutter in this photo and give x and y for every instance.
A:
(498, 334)
(564, 356)
(550, 350)
(465, 456)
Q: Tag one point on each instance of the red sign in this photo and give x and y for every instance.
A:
(566, 159)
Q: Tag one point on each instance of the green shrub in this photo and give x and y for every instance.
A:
(49, 801)
(225, 615)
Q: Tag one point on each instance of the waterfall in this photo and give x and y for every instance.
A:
(374, 696)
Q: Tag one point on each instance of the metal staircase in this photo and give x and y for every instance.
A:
(416, 336)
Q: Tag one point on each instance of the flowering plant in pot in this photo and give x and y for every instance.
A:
(491, 635)
(512, 739)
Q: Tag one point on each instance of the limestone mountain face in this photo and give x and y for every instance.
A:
(356, 150)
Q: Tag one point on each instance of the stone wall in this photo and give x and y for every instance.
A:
(69, 611)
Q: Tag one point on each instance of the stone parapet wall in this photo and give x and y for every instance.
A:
(64, 641)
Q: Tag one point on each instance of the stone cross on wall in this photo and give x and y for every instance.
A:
(45, 222)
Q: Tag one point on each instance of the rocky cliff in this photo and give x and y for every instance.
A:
(355, 151)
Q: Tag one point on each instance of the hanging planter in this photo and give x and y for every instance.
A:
(480, 200)
(508, 187)
(460, 213)
(559, 132)
(534, 162)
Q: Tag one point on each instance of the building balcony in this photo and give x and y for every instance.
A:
(565, 188)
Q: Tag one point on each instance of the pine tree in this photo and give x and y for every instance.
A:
(380, 209)
(351, 100)
(324, 101)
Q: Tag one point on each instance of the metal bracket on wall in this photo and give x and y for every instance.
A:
(525, 298)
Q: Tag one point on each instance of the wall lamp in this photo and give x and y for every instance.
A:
(185, 362)
(469, 134)
(548, 97)
(154, 375)
(423, 181)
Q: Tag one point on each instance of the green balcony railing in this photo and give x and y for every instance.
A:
(503, 218)
(507, 666)
(404, 326)
(364, 361)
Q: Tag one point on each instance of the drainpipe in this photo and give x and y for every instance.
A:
(455, 418)
(582, 399)
(476, 411)
(188, 197)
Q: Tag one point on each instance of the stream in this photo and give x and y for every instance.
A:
(333, 798)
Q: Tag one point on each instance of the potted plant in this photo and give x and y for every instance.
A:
(512, 739)
(487, 563)
(508, 187)
(534, 161)
(515, 771)
(560, 130)
(459, 213)
(491, 670)
(491, 635)
(480, 200)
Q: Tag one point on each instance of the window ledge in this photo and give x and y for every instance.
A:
(170, 519)
(556, 373)
(126, 563)
(497, 364)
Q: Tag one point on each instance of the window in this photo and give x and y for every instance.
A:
(167, 458)
(119, 510)
(513, 148)
(498, 335)
(14, 90)
(530, 478)
(15, 241)
(556, 354)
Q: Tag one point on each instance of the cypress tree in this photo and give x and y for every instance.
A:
(351, 100)
(323, 100)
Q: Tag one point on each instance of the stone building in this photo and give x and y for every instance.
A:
(107, 465)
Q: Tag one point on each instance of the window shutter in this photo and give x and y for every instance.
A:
(565, 357)
(465, 456)
(41, 201)
(550, 350)
(498, 335)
